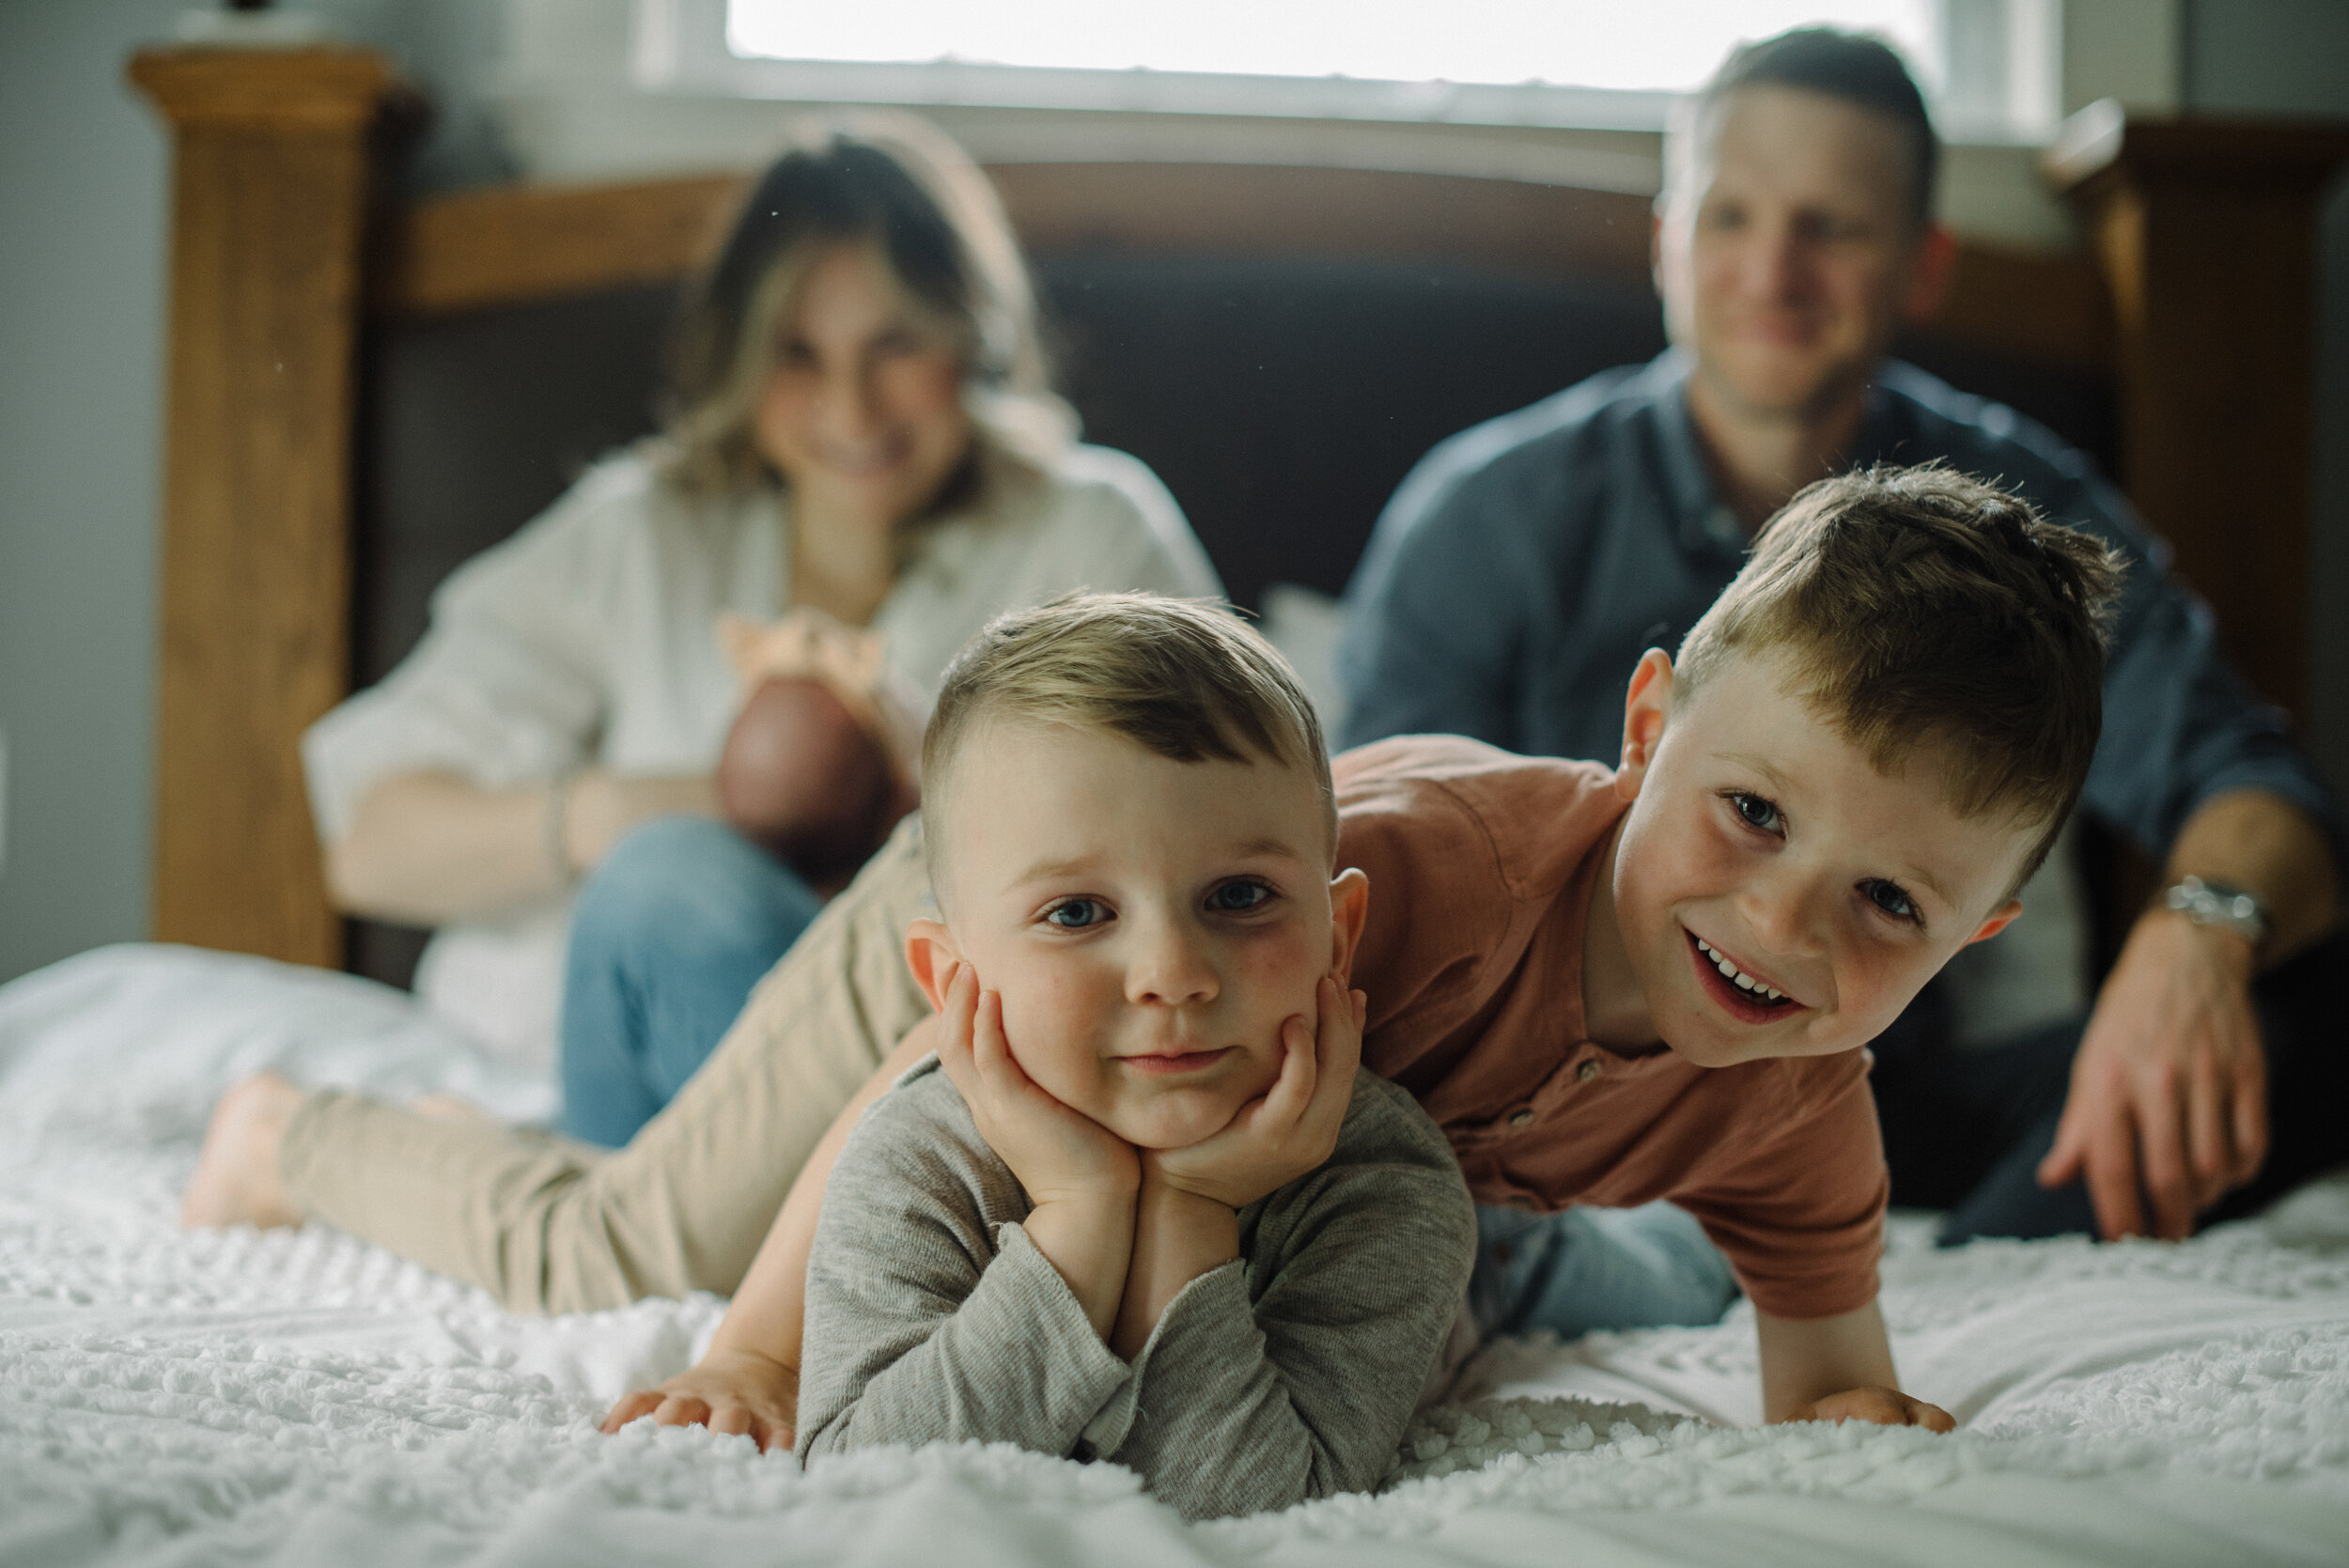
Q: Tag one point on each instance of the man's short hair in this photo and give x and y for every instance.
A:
(1916, 604)
(1848, 65)
(1184, 678)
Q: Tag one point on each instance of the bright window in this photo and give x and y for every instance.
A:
(1987, 67)
(1619, 44)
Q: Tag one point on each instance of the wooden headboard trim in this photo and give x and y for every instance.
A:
(271, 187)
(493, 247)
(2207, 230)
(513, 243)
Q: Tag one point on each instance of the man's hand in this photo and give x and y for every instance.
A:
(1057, 1153)
(1881, 1406)
(2169, 1086)
(740, 1392)
(1292, 1127)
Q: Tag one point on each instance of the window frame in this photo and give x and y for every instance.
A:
(678, 47)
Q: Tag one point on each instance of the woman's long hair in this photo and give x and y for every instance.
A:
(897, 184)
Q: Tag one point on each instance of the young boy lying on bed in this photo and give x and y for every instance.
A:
(1114, 1224)
(1612, 987)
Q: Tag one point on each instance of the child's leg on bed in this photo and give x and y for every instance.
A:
(1588, 1268)
(669, 936)
(549, 1226)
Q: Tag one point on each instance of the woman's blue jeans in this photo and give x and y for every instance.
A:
(1596, 1268)
(668, 936)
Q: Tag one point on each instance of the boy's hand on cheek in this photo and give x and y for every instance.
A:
(1057, 1153)
(1081, 1176)
(1292, 1127)
(1881, 1406)
(1187, 1217)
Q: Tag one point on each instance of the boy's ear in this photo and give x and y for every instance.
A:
(931, 956)
(2000, 918)
(1349, 907)
(1646, 707)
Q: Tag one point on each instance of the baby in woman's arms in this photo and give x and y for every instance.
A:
(1101, 1222)
(819, 764)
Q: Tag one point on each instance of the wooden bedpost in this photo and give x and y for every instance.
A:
(269, 204)
(2206, 234)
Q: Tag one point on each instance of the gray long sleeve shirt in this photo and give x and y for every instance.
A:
(1285, 1375)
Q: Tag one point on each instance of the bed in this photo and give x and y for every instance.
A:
(298, 1397)
(365, 391)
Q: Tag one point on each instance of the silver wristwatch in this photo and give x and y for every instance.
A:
(2216, 904)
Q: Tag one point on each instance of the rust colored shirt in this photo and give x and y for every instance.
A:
(1481, 866)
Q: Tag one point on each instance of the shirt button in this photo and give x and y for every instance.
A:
(1522, 1119)
(1588, 1071)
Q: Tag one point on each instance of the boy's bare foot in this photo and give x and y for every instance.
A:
(236, 1180)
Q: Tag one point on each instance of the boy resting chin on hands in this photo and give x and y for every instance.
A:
(1140, 1205)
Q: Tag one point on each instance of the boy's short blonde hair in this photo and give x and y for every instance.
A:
(1184, 678)
(1916, 604)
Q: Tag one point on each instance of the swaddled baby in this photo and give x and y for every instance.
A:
(817, 766)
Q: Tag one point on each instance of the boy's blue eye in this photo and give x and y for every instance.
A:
(1893, 900)
(1235, 898)
(1077, 914)
(1756, 810)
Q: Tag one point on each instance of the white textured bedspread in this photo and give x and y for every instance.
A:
(170, 1398)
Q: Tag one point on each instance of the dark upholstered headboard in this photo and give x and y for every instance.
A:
(1280, 397)
(364, 394)
(1280, 400)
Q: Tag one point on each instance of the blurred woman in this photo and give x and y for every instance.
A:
(863, 446)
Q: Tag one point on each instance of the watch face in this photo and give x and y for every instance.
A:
(2216, 904)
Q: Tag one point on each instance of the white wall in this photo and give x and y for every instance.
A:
(83, 171)
(2129, 50)
(81, 276)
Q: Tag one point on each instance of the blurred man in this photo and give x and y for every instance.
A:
(1523, 565)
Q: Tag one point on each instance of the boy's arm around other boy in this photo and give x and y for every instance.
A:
(1286, 1374)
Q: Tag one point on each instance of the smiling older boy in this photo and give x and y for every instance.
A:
(1614, 986)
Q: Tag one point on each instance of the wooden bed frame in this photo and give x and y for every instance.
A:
(2197, 304)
